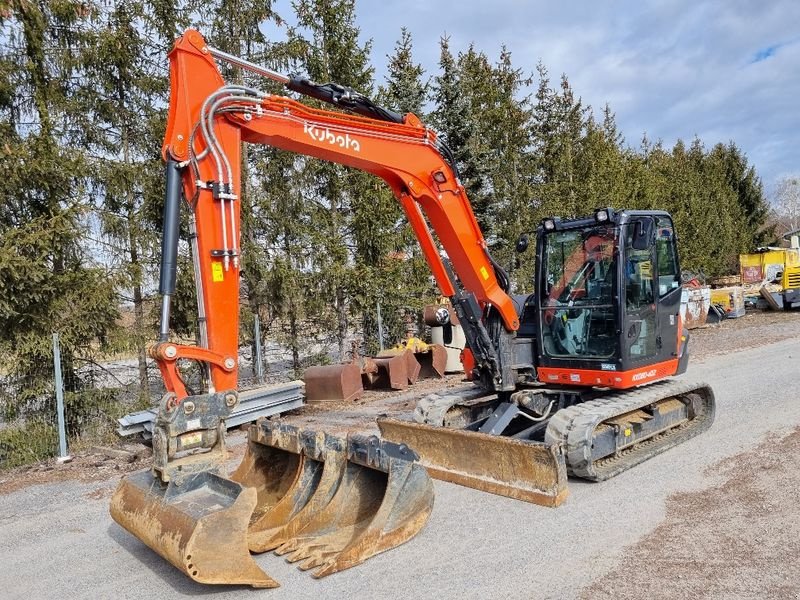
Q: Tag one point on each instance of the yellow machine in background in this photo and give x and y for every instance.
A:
(776, 270)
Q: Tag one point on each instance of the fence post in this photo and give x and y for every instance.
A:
(380, 328)
(62, 433)
(259, 361)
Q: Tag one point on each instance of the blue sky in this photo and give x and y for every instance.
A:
(722, 70)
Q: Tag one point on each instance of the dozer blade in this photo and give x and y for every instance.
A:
(198, 523)
(525, 470)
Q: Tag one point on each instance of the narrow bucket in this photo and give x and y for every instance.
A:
(392, 373)
(524, 470)
(432, 361)
(333, 382)
(198, 523)
(283, 475)
(349, 499)
(383, 498)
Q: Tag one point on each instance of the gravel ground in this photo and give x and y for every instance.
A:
(713, 518)
(739, 538)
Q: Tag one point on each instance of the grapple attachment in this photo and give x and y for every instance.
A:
(521, 469)
(328, 502)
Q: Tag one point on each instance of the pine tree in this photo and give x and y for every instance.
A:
(48, 281)
(451, 116)
(125, 81)
(327, 47)
(394, 272)
(745, 182)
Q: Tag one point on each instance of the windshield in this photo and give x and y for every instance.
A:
(577, 308)
(579, 266)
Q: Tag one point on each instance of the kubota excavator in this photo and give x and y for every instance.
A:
(559, 373)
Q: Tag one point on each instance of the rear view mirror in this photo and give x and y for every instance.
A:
(643, 233)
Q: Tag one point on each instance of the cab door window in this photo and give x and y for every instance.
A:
(640, 308)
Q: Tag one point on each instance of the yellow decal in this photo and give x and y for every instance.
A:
(646, 269)
(216, 272)
(627, 433)
(484, 273)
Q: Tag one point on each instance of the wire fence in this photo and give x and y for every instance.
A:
(95, 394)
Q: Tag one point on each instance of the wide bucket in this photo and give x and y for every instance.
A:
(333, 383)
(198, 523)
(346, 500)
(520, 469)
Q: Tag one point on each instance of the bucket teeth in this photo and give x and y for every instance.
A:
(369, 497)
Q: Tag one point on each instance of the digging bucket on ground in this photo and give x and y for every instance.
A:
(327, 502)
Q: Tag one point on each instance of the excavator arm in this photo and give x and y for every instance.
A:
(207, 122)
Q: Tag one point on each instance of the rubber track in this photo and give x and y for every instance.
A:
(573, 427)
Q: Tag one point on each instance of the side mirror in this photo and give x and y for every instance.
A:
(643, 233)
(522, 243)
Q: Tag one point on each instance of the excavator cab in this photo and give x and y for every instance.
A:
(608, 298)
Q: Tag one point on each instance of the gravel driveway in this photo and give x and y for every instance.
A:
(714, 518)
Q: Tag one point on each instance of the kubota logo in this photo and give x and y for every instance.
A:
(323, 134)
(644, 375)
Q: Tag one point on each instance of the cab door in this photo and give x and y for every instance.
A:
(668, 288)
(640, 308)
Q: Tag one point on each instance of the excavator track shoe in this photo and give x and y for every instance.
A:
(604, 437)
(524, 470)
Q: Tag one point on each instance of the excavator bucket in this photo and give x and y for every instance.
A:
(432, 360)
(391, 373)
(328, 502)
(520, 469)
(333, 382)
(198, 524)
(345, 500)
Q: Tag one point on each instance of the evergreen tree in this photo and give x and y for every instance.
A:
(127, 87)
(394, 272)
(326, 45)
(48, 281)
(558, 127)
(745, 182)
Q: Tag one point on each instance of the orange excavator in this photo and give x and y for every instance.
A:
(558, 375)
